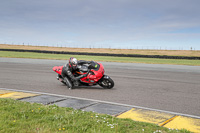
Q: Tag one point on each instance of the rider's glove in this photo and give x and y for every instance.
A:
(81, 76)
(85, 75)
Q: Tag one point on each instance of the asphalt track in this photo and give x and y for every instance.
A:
(172, 88)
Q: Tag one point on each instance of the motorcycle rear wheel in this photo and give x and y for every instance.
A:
(59, 77)
(107, 83)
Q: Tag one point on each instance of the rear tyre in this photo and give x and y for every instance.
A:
(59, 77)
(107, 83)
(63, 82)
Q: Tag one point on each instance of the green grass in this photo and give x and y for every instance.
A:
(21, 117)
(99, 58)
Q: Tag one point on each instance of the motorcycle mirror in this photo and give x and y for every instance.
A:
(92, 65)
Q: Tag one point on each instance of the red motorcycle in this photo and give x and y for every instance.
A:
(95, 75)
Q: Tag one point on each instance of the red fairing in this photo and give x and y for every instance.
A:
(58, 69)
(93, 78)
(95, 75)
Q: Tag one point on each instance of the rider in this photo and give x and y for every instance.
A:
(69, 68)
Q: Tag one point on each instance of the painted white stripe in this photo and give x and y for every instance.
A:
(133, 106)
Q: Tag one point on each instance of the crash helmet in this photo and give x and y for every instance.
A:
(73, 62)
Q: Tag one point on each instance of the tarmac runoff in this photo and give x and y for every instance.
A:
(167, 119)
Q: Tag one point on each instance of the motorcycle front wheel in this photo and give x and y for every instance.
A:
(107, 83)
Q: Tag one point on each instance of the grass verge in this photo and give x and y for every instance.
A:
(189, 53)
(20, 117)
(99, 58)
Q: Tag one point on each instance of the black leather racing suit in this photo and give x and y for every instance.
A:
(67, 74)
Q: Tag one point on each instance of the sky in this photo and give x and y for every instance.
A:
(129, 24)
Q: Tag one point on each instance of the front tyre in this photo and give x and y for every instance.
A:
(106, 83)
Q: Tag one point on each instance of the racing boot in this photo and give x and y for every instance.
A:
(68, 83)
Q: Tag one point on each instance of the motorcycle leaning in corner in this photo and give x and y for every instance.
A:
(95, 75)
